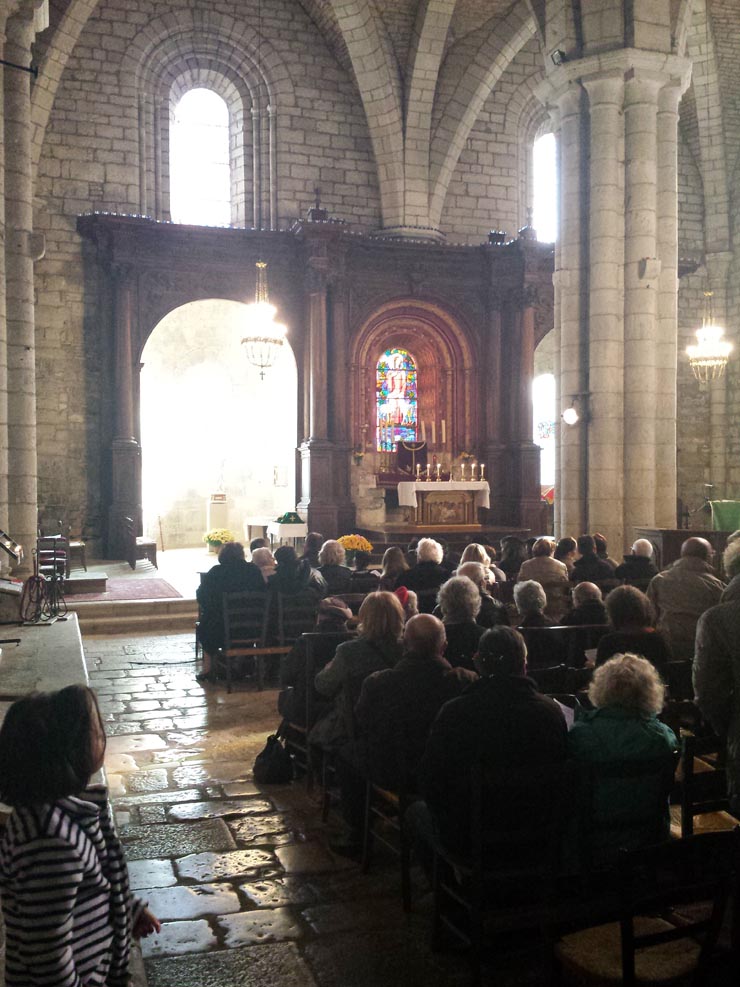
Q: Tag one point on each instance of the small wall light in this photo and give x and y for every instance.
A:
(577, 410)
(558, 57)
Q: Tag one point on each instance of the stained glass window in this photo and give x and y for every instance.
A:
(396, 400)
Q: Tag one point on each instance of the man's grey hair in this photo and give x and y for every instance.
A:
(429, 550)
(459, 600)
(584, 592)
(332, 553)
(530, 597)
(474, 571)
(732, 558)
(643, 548)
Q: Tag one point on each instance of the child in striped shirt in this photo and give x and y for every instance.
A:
(69, 914)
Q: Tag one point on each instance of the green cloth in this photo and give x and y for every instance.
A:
(725, 515)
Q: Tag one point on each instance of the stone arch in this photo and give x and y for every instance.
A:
(173, 53)
(529, 120)
(440, 343)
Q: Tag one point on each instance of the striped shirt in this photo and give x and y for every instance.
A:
(65, 895)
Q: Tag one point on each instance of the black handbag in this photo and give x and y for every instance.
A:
(273, 765)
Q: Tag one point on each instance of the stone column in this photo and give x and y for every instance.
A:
(555, 118)
(573, 476)
(666, 335)
(718, 266)
(22, 248)
(642, 269)
(3, 324)
(606, 286)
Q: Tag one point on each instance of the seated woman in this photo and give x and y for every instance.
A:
(459, 605)
(477, 553)
(293, 575)
(492, 612)
(394, 566)
(565, 552)
(336, 574)
(364, 580)
(633, 622)
(377, 646)
(544, 650)
(550, 574)
(513, 553)
(232, 574)
(627, 694)
(265, 562)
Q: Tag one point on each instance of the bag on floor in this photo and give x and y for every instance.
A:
(273, 765)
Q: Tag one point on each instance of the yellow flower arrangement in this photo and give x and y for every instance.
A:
(355, 543)
(218, 536)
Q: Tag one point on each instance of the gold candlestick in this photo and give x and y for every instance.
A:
(472, 472)
(482, 471)
(439, 469)
(429, 472)
(418, 471)
(462, 472)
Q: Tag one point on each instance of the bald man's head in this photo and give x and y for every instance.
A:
(696, 548)
(424, 636)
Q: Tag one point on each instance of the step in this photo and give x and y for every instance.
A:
(92, 583)
(135, 616)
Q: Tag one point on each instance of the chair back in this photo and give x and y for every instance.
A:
(320, 649)
(296, 615)
(678, 676)
(666, 878)
(245, 619)
(546, 646)
(702, 791)
(583, 638)
(551, 679)
(353, 600)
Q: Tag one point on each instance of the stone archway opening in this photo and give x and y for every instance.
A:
(209, 424)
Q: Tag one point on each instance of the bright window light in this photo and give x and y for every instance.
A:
(545, 185)
(200, 180)
(543, 416)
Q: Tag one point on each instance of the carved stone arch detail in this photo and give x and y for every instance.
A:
(440, 344)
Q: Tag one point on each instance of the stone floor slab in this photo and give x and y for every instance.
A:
(179, 903)
(161, 798)
(274, 893)
(148, 781)
(143, 842)
(308, 858)
(261, 829)
(139, 742)
(151, 874)
(177, 938)
(259, 966)
(205, 867)
(262, 925)
(217, 809)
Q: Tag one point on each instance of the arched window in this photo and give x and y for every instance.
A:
(200, 176)
(396, 399)
(545, 188)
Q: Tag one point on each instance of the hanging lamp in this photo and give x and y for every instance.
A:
(709, 357)
(264, 338)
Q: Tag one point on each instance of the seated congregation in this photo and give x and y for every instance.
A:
(540, 718)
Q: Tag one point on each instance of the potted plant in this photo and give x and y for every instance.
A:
(353, 544)
(217, 537)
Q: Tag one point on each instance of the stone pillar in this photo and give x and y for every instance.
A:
(606, 287)
(642, 269)
(4, 522)
(718, 266)
(666, 366)
(555, 118)
(22, 248)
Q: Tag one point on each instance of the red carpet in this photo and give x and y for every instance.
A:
(128, 589)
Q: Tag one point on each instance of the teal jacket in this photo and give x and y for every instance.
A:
(609, 734)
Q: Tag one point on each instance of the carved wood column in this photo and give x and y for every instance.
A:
(125, 450)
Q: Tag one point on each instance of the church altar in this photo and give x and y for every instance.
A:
(445, 502)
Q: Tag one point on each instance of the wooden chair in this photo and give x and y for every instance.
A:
(353, 600)
(509, 879)
(679, 678)
(550, 680)
(663, 892)
(703, 785)
(137, 547)
(246, 619)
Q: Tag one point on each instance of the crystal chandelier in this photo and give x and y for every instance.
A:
(265, 337)
(709, 357)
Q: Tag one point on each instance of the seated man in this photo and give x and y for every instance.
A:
(589, 568)
(638, 568)
(427, 575)
(501, 714)
(682, 593)
(588, 606)
(397, 706)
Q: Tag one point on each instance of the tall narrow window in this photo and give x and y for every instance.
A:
(200, 179)
(396, 400)
(545, 187)
(543, 408)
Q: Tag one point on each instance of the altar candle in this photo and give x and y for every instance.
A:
(418, 470)
(434, 434)
(444, 432)
(482, 470)
(439, 467)
(472, 471)
(429, 469)
(462, 471)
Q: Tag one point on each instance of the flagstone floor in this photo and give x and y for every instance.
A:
(242, 878)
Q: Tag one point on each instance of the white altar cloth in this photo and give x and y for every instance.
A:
(407, 491)
(286, 532)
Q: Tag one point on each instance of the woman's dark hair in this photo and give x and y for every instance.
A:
(362, 560)
(46, 746)
(564, 547)
(628, 606)
(314, 541)
(502, 651)
(286, 556)
(232, 551)
(513, 552)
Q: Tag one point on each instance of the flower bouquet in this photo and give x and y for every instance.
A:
(353, 544)
(217, 537)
